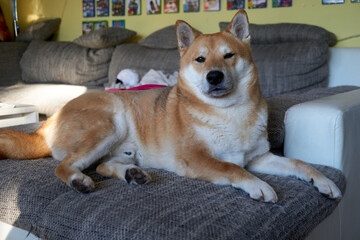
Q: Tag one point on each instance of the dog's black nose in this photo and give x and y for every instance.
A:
(214, 77)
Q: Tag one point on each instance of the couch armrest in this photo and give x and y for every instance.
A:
(344, 66)
(327, 131)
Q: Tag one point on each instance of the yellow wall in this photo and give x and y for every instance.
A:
(341, 19)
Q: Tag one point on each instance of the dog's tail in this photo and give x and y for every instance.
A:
(21, 145)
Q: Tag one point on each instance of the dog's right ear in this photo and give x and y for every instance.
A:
(185, 35)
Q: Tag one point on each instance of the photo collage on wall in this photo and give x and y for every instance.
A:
(118, 8)
(101, 8)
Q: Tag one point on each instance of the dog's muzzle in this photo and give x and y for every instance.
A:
(217, 85)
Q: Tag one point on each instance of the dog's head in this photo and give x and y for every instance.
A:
(217, 68)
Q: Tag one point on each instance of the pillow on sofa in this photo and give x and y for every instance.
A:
(65, 62)
(39, 31)
(105, 37)
(10, 56)
(290, 67)
(164, 38)
(142, 59)
(286, 32)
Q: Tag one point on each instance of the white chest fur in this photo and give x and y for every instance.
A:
(233, 136)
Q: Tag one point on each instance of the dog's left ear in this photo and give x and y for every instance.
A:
(239, 26)
(185, 35)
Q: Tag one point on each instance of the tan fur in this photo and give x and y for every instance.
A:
(199, 128)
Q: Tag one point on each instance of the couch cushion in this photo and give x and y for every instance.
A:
(289, 67)
(11, 53)
(170, 207)
(65, 62)
(39, 31)
(164, 38)
(48, 98)
(142, 59)
(105, 37)
(287, 32)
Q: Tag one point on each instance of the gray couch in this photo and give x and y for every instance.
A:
(293, 68)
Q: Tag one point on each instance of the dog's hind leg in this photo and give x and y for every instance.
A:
(124, 171)
(272, 164)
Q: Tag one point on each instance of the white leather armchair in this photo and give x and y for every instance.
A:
(326, 131)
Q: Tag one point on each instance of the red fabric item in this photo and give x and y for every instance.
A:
(142, 87)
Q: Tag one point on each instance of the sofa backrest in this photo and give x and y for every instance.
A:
(290, 57)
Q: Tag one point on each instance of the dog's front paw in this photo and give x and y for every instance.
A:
(326, 187)
(258, 190)
(137, 176)
(82, 184)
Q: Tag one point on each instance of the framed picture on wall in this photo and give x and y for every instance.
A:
(118, 7)
(282, 3)
(191, 5)
(118, 23)
(355, 1)
(153, 6)
(257, 3)
(235, 4)
(211, 5)
(171, 6)
(134, 7)
(87, 27)
(88, 8)
(332, 1)
(100, 24)
(102, 8)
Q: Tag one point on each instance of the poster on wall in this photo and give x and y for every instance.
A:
(191, 5)
(257, 4)
(100, 25)
(332, 1)
(118, 7)
(87, 27)
(282, 3)
(355, 1)
(134, 7)
(153, 7)
(171, 6)
(211, 5)
(235, 4)
(118, 23)
(102, 8)
(89, 8)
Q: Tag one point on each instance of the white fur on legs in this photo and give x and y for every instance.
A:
(127, 172)
(258, 190)
(275, 165)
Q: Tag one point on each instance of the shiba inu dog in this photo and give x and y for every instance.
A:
(211, 126)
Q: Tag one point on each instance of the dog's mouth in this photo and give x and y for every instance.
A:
(217, 91)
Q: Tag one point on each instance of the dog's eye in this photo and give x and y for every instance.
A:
(200, 59)
(228, 55)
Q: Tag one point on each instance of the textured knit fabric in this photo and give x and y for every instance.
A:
(164, 38)
(65, 62)
(141, 59)
(39, 31)
(10, 56)
(105, 37)
(287, 32)
(289, 67)
(170, 207)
